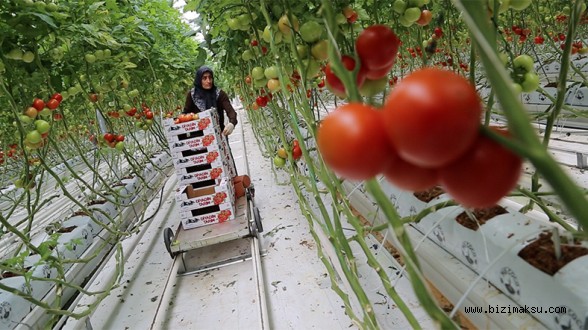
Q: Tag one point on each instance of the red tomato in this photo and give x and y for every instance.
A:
(296, 152)
(377, 47)
(38, 104)
(483, 175)
(52, 104)
(109, 137)
(410, 177)
(352, 141)
(335, 84)
(120, 138)
(432, 117)
(58, 97)
(261, 101)
(149, 115)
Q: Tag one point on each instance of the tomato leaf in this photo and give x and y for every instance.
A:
(46, 19)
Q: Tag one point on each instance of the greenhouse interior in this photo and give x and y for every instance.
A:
(324, 164)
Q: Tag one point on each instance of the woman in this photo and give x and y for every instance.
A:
(206, 95)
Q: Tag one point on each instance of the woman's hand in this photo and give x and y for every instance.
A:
(228, 129)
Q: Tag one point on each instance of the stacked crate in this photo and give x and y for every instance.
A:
(205, 169)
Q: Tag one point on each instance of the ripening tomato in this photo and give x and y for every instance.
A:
(432, 117)
(407, 176)
(352, 141)
(425, 18)
(377, 47)
(483, 175)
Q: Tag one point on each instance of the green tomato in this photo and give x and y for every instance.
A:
(404, 22)
(412, 14)
(259, 83)
(15, 54)
(320, 50)
(517, 88)
(24, 119)
(372, 87)
(257, 73)
(530, 82)
(311, 68)
(42, 126)
(399, 6)
(28, 57)
(279, 161)
(519, 4)
(45, 112)
(302, 51)
(247, 55)
(340, 18)
(90, 58)
(33, 137)
(311, 31)
(524, 61)
(271, 72)
(233, 23)
(119, 145)
(502, 5)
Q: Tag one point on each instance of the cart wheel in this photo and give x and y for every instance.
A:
(168, 235)
(257, 219)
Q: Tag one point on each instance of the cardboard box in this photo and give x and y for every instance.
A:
(210, 141)
(200, 157)
(205, 125)
(191, 191)
(204, 172)
(183, 149)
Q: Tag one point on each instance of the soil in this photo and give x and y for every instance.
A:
(541, 254)
(481, 215)
(430, 194)
(67, 229)
(100, 201)
(79, 213)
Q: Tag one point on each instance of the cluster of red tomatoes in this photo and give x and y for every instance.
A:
(114, 140)
(282, 155)
(426, 134)
(11, 153)
(185, 117)
(36, 128)
(374, 65)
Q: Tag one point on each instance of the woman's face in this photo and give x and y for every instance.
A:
(207, 80)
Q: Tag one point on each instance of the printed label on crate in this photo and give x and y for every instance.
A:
(203, 125)
(219, 198)
(192, 135)
(211, 113)
(194, 143)
(208, 218)
(181, 150)
(215, 158)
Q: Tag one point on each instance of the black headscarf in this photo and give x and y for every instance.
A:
(204, 98)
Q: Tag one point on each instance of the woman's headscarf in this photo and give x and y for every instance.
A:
(204, 98)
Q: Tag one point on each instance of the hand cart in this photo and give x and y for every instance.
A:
(247, 223)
